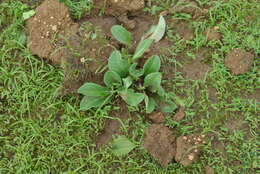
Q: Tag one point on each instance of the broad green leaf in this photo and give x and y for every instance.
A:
(153, 64)
(161, 91)
(122, 146)
(168, 107)
(159, 30)
(132, 98)
(142, 47)
(93, 90)
(150, 104)
(111, 78)
(149, 32)
(153, 81)
(134, 72)
(93, 102)
(122, 35)
(127, 82)
(28, 14)
(118, 65)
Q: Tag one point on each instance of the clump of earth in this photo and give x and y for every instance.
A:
(163, 145)
(239, 61)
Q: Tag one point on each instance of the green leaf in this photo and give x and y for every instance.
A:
(153, 64)
(127, 82)
(122, 35)
(132, 98)
(134, 72)
(117, 64)
(93, 90)
(142, 47)
(111, 78)
(28, 14)
(122, 146)
(89, 102)
(168, 107)
(159, 30)
(150, 104)
(153, 81)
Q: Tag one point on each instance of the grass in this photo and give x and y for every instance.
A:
(40, 133)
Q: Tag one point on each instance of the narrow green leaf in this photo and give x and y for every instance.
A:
(150, 104)
(132, 98)
(93, 90)
(122, 35)
(111, 78)
(142, 47)
(153, 64)
(92, 102)
(127, 82)
(159, 30)
(134, 72)
(153, 81)
(122, 146)
(28, 14)
(117, 64)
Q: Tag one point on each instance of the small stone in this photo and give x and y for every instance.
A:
(54, 27)
(185, 138)
(191, 157)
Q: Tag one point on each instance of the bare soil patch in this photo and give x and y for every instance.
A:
(157, 117)
(188, 149)
(239, 61)
(160, 143)
(51, 20)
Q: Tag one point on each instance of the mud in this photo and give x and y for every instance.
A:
(160, 143)
(188, 149)
(157, 117)
(179, 115)
(238, 61)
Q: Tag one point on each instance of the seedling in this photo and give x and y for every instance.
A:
(125, 78)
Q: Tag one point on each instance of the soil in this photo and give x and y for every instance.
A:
(219, 146)
(179, 115)
(157, 117)
(196, 70)
(213, 34)
(112, 127)
(50, 21)
(118, 7)
(188, 149)
(183, 28)
(239, 61)
(160, 143)
(209, 170)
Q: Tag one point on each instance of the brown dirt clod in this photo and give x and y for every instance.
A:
(51, 20)
(188, 149)
(239, 61)
(157, 117)
(160, 143)
(112, 127)
(209, 170)
(212, 34)
(179, 115)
